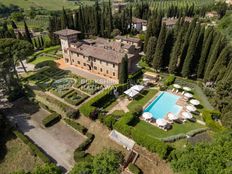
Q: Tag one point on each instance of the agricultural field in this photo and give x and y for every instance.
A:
(181, 3)
(46, 4)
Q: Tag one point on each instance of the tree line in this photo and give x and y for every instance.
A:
(191, 50)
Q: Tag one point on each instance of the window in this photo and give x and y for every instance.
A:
(65, 51)
(113, 73)
(95, 67)
(100, 62)
(107, 72)
(72, 60)
(94, 60)
(78, 62)
(84, 64)
(113, 65)
(101, 69)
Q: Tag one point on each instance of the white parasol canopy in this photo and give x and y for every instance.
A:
(191, 108)
(161, 122)
(137, 88)
(171, 116)
(131, 92)
(188, 95)
(187, 88)
(146, 79)
(177, 86)
(187, 115)
(194, 102)
(147, 115)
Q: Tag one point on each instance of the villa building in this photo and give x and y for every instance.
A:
(171, 22)
(99, 56)
(139, 24)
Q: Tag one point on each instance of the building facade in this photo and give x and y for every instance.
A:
(99, 56)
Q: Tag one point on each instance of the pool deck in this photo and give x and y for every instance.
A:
(182, 102)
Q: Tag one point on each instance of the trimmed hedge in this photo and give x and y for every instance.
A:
(136, 75)
(196, 131)
(102, 100)
(134, 169)
(34, 148)
(51, 119)
(169, 80)
(33, 57)
(79, 153)
(56, 105)
(49, 63)
(76, 126)
(152, 144)
(173, 138)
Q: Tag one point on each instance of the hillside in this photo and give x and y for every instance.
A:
(46, 4)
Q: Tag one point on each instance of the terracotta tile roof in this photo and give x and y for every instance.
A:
(130, 39)
(173, 21)
(100, 53)
(67, 32)
(137, 20)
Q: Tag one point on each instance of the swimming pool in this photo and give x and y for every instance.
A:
(164, 104)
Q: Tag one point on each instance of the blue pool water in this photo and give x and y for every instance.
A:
(163, 104)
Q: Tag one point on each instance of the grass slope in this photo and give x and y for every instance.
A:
(42, 59)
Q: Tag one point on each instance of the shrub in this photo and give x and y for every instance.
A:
(134, 169)
(169, 80)
(137, 111)
(45, 63)
(51, 119)
(207, 116)
(34, 148)
(76, 126)
(79, 155)
(136, 75)
(109, 121)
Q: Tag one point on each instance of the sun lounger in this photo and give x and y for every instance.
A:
(178, 121)
(192, 120)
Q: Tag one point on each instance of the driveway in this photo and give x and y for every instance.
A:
(58, 141)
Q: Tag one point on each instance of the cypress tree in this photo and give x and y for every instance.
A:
(172, 67)
(123, 76)
(190, 53)
(213, 58)
(151, 50)
(14, 26)
(42, 41)
(168, 48)
(64, 20)
(35, 43)
(187, 39)
(159, 51)
(148, 33)
(205, 51)
(39, 43)
(221, 62)
(27, 33)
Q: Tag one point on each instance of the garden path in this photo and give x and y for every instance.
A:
(121, 105)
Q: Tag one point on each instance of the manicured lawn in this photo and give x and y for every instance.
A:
(154, 131)
(142, 99)
(42, 59)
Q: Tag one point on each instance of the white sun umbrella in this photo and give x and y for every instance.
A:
(147, 115)
(146, 79)
(187, 115)
(161, 122)
(171, 116)
(138, 87)
(194, 102)
(131, 92)
(191, 108)
(187, 88)
(188, 95)
(177, 86)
